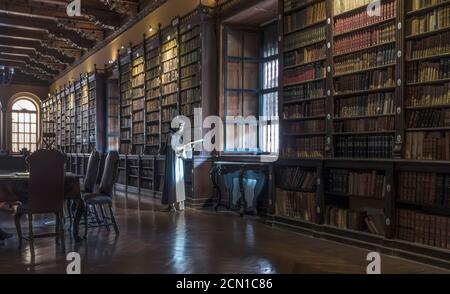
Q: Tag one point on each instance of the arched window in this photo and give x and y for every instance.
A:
(24, 125)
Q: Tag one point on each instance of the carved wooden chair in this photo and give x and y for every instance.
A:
(45, 194)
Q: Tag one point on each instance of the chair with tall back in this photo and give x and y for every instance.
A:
(45, 194)
(90, 179)
(91, 172)
(104, 195)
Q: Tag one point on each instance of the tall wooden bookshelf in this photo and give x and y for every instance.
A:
(74, 114)
(124, 61)
(382, 177)
(169, 78)
(138, 99)
(179, 69)
(153, 94)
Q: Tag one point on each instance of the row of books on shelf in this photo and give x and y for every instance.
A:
(125, 110)
(364, 39)
(153, 105)
(189, 70)
(424, 187)
(137, 70)
(170, 65)
(153, 83)
(428, 118)
(427, 146)
(191, 95)
(296, 205)
(305, 73)
(188, 109)
(139, 116)
(297, 178)
(360, 18)
(436, 19)
(374, 57)
(438, 44)
(153, 73)
(310, 147)
(189, 58)
(169, 45)
(169, 100)
(125, 148)
(305, 37)
(370, 184)
(376, 79)
(169, 77)
(305, 55)
(305, 91)
(417, 72)
(138, 139)
(138, 128)
(305, 127)
(378, 124)
(138, 104)
(153, 130)
(316, 12)
(138, 80)
(168, 114)
(152, 117)
(190, 45)
(423, 228)
(353, 219)
(168, 55)
(365, 105)
(153, 93)
(192, 81)
(304, 110)
(364, 146)
(169, 88)
(420, 4)
(152, 65)
(341, 6)
(125, 134)
(137, 92)
(294, 4)
(195, 31)
(428, 95)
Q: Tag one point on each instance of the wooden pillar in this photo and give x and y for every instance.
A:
(4, 128)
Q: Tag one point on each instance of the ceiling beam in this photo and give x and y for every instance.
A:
(129, 8)
(27, 59)
(28, 63)
(51, 27)
(101, 17)
(39, 47)
(31, 53)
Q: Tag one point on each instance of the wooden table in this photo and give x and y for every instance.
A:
(221, 168)
(14, 188)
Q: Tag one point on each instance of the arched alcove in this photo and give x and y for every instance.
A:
(23, 123)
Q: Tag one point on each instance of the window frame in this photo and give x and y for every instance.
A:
(36, 112)
(260, 92)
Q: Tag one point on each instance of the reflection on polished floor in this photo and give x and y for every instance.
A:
(152, 241)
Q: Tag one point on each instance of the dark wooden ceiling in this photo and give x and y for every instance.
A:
(40, 40)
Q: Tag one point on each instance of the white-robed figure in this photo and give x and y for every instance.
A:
(174, 194)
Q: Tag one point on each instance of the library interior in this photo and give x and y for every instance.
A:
(225, 136)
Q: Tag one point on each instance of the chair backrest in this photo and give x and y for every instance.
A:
(91, 172)
(109, 173)
(46, 185)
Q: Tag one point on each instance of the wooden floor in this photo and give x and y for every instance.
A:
(152, 241)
